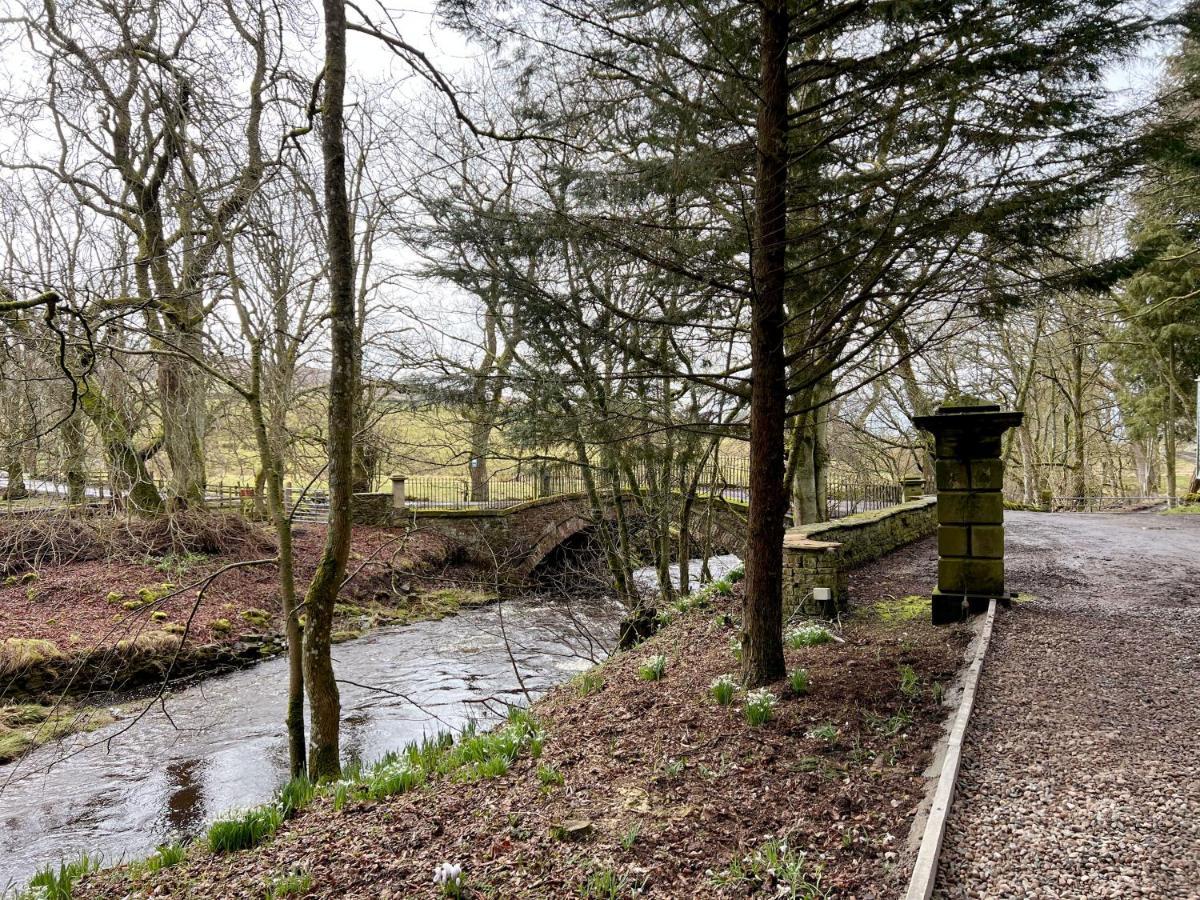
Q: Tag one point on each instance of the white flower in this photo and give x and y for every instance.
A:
(761, 697)
(447, 873)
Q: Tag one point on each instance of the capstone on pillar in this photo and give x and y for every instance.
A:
(970, 506)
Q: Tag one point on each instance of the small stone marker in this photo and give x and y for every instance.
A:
(970, 506)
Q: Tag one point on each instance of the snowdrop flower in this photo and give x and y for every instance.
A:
(447, 874)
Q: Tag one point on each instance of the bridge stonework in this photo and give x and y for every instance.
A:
(514, 539)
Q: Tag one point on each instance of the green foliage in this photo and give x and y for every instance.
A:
(889, 726)
(221, 626)
(673, 767)
(653, 667)
(244, 830)
(722, 689)
(549, 776)
(910, 684)
(759, 706)
(293, 884)
(164, 857)
(827, 733)
(1192, 509)
(177, 564)
(607, 884)
(775, 863)
(294, 796)
(798, 682)
(735, 646)
(630, 835)
(810, 635)
(588, 683)
(58, 882)
(474, 756)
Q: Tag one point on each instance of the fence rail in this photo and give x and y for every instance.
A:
(501, 488)
(845, 498)
(1091, 503)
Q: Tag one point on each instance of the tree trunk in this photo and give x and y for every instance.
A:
(271, 473)
(127, 466)
(1169, 428)
(183, 393)
(73, 452)
(1079, 483)
(15, 488)
(762, 638)
(324, 701)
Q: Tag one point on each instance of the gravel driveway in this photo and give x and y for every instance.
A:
(1081, 772)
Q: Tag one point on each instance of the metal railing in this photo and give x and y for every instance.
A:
(845, 498)
(506, 486)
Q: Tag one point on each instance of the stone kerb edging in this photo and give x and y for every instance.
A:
(920, 885)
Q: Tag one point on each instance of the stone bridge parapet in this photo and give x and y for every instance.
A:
(514, 539)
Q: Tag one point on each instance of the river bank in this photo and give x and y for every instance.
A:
(85, 626)
(633, 782)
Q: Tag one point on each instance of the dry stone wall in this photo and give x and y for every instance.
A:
(821, 554)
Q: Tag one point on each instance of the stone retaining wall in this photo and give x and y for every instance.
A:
(821, 555)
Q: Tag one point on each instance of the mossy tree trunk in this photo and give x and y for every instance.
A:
(320, 683)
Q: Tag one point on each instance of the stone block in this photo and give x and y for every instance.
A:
(952, 575)
(987, 541)
(968, 509)
(953, 475)
(953, 540)
(984, 576)
(987, 475)
(947, 608)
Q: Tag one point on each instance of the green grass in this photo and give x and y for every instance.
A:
(295, 795)
(811, 635)
(607, 884)
(827, 733)
(294, 884)
(653, 667)
(775, 865)
(759, 706)
(722, 689)
(798, 682)
(1188, 509)
(244, 830)
(58, 882)
(910, 684)
(588, 683)
(549, 776)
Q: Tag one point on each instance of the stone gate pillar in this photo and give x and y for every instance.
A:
(970, 506)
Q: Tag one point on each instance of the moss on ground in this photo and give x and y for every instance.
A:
(18, 654)
(1190, 509)
(26, 726)
(898, 609)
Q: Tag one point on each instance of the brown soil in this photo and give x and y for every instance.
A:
(665, 788)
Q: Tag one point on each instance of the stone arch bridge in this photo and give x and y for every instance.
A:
(516, 539)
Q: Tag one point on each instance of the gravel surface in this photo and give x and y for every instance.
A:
(1081, 772)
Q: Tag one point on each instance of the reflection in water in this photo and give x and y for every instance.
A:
(223, 746)
(187, 796)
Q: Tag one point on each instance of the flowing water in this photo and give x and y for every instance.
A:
(219, 744)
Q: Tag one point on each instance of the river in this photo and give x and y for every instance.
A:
(126, 788)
